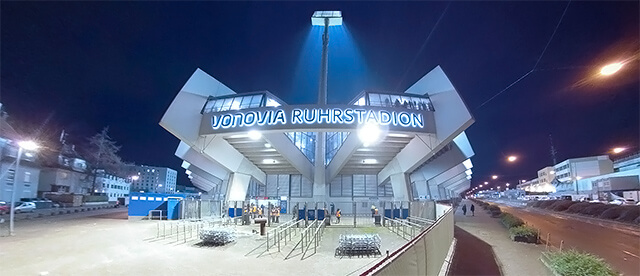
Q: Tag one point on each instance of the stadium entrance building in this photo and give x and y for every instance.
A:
(402, 146)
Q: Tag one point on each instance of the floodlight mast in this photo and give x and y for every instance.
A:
(326, 19)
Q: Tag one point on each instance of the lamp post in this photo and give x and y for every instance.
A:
(27, 145)
(325, 19)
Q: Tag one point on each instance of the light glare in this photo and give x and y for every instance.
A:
(369, 134)
(254, 135)
(611, 69)
(28, 145)
(618, 150)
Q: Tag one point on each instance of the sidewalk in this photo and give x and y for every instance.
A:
(513, 258)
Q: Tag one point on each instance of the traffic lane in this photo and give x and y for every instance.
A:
(621, 249)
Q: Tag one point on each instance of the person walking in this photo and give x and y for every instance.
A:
(373, 210)
(338, 215)
(464, 209)
(473, 210)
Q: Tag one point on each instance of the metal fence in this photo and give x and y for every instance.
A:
(425, 254)
(195, 209)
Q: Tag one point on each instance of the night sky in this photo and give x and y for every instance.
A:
(80, 66)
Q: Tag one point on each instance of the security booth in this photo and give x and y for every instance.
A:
(154, 205)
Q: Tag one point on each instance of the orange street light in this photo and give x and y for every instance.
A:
(512, 158)
(494, 177)
(611, 69)
(618, 150)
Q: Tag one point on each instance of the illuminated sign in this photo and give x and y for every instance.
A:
(316, 117)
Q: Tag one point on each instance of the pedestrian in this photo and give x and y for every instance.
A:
(338, 215)
(373, 210)
(464, 209)
(473, 210)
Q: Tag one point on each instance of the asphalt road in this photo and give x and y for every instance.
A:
(619, 247)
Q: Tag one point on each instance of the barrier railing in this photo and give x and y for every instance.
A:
(304, 238)
(315, 240)
(276, 235)
(399, 227)
(280, 232)
(423, 221)
(425, 254)
(151, 212)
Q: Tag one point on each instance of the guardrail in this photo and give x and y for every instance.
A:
(400, 228)
(274, 236)
(317, 237)
(151, 212)
(305, 238)
(280, 232)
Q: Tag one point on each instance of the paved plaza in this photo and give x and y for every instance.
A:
(104, 242)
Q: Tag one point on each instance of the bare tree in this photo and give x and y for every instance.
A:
(102, 154)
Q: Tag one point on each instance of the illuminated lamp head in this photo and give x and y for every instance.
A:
(369, 134)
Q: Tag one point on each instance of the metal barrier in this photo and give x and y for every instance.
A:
(425, 254)
(400, 228)
(277, 233)
(180, 228)
(150, 215)
(317, 237)
(305, 237)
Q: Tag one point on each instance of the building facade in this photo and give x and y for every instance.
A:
(564, 177)
(112, 186)
(397, 146)
(153, 179)
(25, 181)
(27, 177)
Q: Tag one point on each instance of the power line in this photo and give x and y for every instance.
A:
(424, 44)
(552, 35)
(537, 61)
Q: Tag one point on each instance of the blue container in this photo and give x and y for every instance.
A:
(232, 212)
(396, 213)
(320, 214)
(173, 208)
(311, 214)
(387, 213)
(405, 213)
(301, 214)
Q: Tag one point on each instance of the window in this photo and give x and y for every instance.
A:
(11, 174)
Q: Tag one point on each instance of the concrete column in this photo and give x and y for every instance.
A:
(238, 186)
(401, 187)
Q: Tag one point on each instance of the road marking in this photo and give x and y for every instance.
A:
(627, 252)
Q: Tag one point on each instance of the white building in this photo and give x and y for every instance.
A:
(112, 186)
(563, 177)
(399, 146)
(153, 179)
(29, 171)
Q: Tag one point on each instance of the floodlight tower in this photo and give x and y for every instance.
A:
(326, 19)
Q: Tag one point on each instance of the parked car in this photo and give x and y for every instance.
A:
(620, 201)
(22, 207)
(4, 208)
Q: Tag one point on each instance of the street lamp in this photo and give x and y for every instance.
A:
(326, 19)
(611, 69)
(23, 145)
(480, 186)
(512, 158)
(618, 150)
(494, 177)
